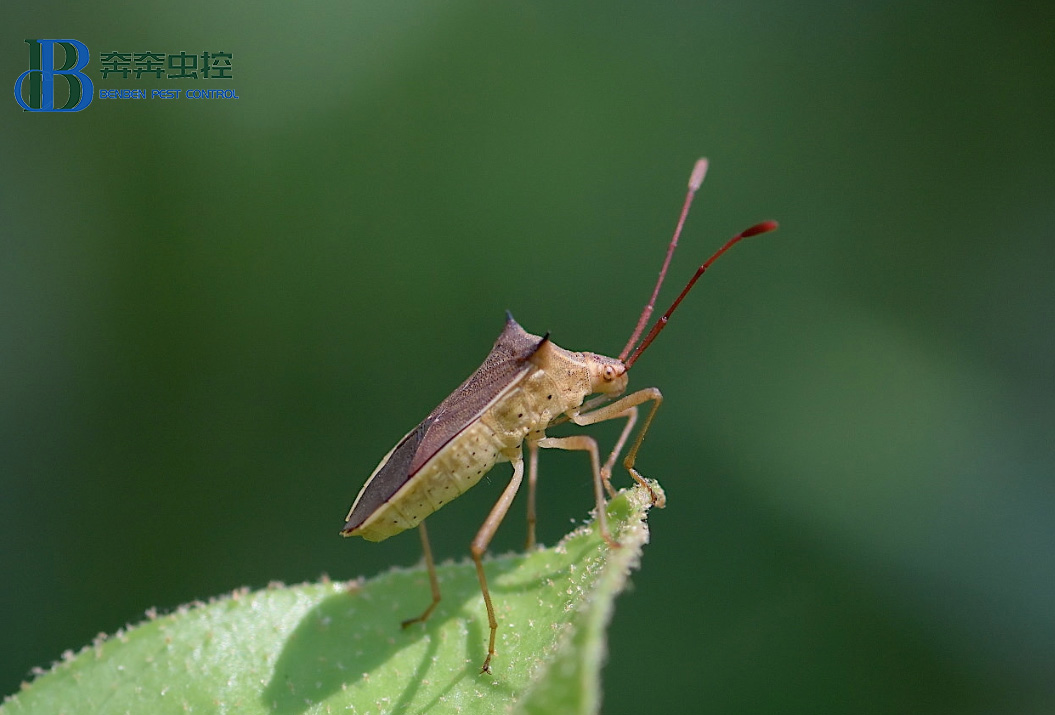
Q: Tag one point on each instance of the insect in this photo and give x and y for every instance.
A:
(526, 384)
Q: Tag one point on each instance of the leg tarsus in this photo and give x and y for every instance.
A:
(491, 621)
(658, 500)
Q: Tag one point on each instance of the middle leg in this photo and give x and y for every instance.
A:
(586, 443)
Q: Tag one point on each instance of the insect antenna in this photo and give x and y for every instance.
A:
(695, 180)
(764, 227)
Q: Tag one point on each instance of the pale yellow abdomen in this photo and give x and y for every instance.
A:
(493, 437)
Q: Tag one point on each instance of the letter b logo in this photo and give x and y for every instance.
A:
(41, 76)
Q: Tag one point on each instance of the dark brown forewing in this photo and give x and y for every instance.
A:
(506, 363)
(387, 480)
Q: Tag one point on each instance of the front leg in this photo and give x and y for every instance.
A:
(627, 407)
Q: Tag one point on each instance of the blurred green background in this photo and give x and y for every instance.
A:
(217, 316)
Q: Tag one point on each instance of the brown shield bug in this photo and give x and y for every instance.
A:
(526, 384)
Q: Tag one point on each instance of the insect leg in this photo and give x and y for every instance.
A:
(532, 482)
(586, 443)
(606, 468)
(434, 581)
(483, 538)
(618, 409)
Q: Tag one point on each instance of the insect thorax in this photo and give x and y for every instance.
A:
(529, 407)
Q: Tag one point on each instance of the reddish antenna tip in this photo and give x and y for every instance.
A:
(764, 227)
(699, 171)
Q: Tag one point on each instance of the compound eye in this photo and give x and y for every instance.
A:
(609, 373)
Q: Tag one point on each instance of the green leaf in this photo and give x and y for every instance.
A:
(338, 647)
